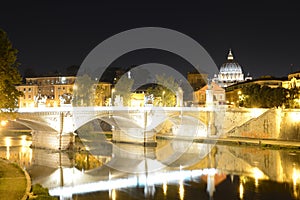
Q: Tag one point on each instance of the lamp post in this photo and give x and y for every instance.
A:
(112, 96)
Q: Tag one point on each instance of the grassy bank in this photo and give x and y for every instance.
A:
(12, 181)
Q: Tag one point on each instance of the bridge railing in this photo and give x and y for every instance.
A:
(112, 108)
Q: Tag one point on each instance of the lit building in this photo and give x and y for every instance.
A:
(218, 95)
(51, 91)
(293, 81)
(230, 72)
(137, 99)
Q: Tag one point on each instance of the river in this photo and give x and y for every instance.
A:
(203, 171)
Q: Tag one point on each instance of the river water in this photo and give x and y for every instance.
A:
(223, 172)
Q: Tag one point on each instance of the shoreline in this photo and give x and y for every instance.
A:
(241, 141)
(14, 173)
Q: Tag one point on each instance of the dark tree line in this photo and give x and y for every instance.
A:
(263, 96)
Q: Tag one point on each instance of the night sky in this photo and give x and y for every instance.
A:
(264, 37)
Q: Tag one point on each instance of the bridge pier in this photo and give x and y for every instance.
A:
(52, 140)
(211, 128)
(134, 136)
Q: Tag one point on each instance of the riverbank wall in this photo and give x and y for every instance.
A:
(282, 124)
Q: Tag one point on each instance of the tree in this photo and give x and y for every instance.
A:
(83, 91)
(293, 98)
(99, 97)
(9, 76)
(164, 92)
(262, 96)
(123, 88)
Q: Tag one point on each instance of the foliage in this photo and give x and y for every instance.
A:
(9, 75)
(38, 189)
(99, 97)
(262, 96)
(83, 91)
(293, 98)
(164, 92)
(123, 88)
(42, 193)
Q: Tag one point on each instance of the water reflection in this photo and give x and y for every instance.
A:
(241, 190)
(7, 144)
(17, 148)
(181, 190)
(238, 172)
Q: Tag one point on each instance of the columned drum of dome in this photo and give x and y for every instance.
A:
(230, 72)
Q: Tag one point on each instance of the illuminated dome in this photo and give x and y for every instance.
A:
(230, 72)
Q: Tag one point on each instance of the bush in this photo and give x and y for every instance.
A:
(38, 189)
(41, 193)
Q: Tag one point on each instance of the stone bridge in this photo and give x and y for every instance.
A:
(53, 128)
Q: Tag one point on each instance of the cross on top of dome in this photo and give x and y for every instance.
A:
(230, 56)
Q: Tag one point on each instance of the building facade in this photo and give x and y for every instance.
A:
(217, 94)
(52, 91)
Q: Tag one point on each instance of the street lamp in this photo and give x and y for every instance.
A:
(112, 96)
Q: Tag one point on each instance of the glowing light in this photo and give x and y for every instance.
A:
(8, 141)
(133, 181)
(113, 194)
(3, 122)
(257, 175)
(23, 144)
(181, 190)
(295, 116)
(7, 144)
(255, 112)
(165, 188)
(241, 190)
(295, 176)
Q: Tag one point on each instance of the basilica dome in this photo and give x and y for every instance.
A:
(230, 66)
(230, 72)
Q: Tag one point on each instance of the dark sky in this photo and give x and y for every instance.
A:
(51, 35)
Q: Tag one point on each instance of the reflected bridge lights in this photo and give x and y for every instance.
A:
(148, 181)
(258, 175)
(7, 144)
(295, 177)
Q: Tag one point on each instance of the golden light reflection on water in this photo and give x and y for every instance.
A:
(165, 188)
(7, 144)
(113, 194)
(257, 175)
(181, 190)
(18, 150)
(241, 190)
(295, 177)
